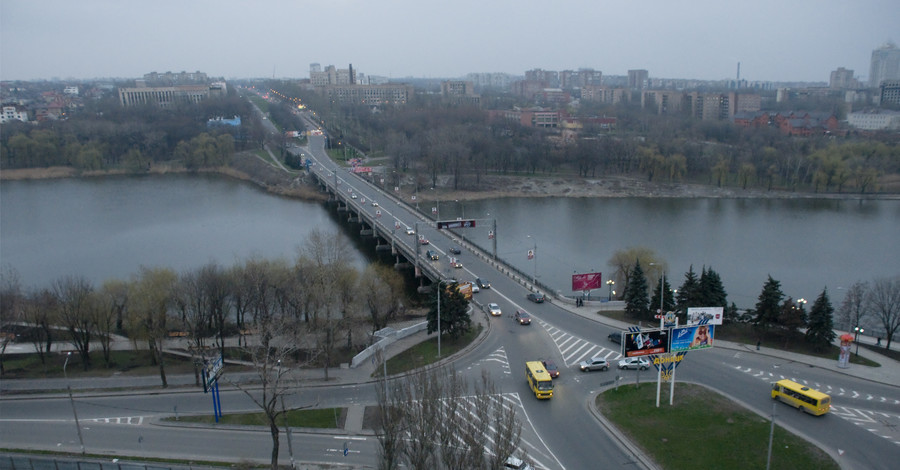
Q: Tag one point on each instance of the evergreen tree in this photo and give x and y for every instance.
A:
(455, 319)
(668, 300)
(636, 293)
(820, 330)
(712, 292)
(688, 293)
(768, 305)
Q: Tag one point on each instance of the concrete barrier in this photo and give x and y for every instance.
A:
(388, 336)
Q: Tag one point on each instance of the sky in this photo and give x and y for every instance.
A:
(774, 40)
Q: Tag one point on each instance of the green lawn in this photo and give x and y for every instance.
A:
(723, 435)
(425, 353)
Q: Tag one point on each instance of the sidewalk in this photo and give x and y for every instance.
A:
(888, 373)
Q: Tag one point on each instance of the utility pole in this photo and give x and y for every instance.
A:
(72, 400)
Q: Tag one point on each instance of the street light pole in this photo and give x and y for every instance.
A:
(609, 284)
(534, 259)
(858, 330)
(72, 400)
(439, 315)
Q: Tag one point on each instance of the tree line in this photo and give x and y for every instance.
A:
(774, 317)
(428, 137)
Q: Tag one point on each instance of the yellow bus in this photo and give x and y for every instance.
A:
(802, 397)
(538, 379)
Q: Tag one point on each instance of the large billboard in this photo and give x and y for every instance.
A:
(441, 224)
(646, 342)
(587, 281)
(692, 338)
(713, 315)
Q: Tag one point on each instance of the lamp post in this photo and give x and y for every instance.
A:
(534, 259)
(440, 281)
(857, 331)
(609, 284)
(72, 400)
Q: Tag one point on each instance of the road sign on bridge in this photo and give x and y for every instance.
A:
(442, 224)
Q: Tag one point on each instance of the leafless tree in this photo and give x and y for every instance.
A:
(112, 298)
(853, 309)
(276, 343)
(391, 424)
(381, 289)
(883, 301)
(39, 310)
(422, 412)
(77, 313)
(624, 260)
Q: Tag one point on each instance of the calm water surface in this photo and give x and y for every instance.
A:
(107, 228)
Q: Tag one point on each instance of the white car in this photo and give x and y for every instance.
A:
(594, 363)
(475, 288)
(634, 363)
(410, 231)
(374, 203)
(494, 309)
(517, 464)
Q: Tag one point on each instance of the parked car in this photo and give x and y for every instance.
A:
(432, 255)
(455, 250)
(536, 297)
(494, 309)
(615, 337)
(634, 363)
(522, 317)
(482, 283)
(594, 363)
(551, 368)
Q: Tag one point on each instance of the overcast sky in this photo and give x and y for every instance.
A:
(776, 40)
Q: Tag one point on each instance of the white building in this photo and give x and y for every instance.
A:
(876, 120)
(11, 112)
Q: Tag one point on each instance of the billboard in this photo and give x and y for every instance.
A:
(692, 338)
(587, 281)
(646, 342)
(713, 315)
(441, 224)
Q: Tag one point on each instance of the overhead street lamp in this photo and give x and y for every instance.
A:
(857, 330)
(609, 284)
(534, 259)
(72, 400)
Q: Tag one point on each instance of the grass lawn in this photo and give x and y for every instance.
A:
(122, 363)
(425, 352)
(722, 434)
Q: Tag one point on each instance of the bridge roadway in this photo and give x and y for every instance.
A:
(398, 227)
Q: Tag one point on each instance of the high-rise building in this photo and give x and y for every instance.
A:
(842, 79)
(638, 79)
(885, 64)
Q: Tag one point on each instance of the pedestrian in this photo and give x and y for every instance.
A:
(757, 344)
(878, 343)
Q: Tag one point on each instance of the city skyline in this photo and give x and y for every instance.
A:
(803, 41)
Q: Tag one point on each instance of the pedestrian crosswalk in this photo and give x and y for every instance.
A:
(133, 420)
(575, 349)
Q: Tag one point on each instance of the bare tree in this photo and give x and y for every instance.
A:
(112, 298)
(77, 313)
(422, 409)
(391, 424)
(853, 309)
(503, 430)
(624, 260)
(381, 289)
(883, 301)
(277, 340)
(12, 304)
(39, 310)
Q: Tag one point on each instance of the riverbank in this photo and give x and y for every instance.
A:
(248, 167)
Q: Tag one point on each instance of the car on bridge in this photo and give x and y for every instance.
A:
(455, 250)
(536, 297)
(374, 203)
(634, 363)
(423, 240)
(482, 283)
(432, 255)
(594, 363)
(456, 264)
(410, 231)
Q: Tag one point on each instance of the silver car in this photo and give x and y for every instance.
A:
(634, 363)
(594, 363)
(494, 309)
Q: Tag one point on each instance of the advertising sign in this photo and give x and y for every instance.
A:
(646, 343)
(587, 281)
(441, 224)
(692, 338)
(697, 314)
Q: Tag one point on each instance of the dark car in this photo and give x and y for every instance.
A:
(522, 317)
(483, 283)
(551, 368)
(536, 297)
(432, 255)
(455, 250)
(615, 337)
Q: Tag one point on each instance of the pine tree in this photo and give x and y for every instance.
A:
(712, 292)
(791, 317)
(689, 291)
(820, 330)
(636, 293)
(668, 300)
(455, 318)
(768, 305)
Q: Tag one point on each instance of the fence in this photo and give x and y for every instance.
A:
(31, 462)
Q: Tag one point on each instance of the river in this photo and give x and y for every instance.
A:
(108, 227)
